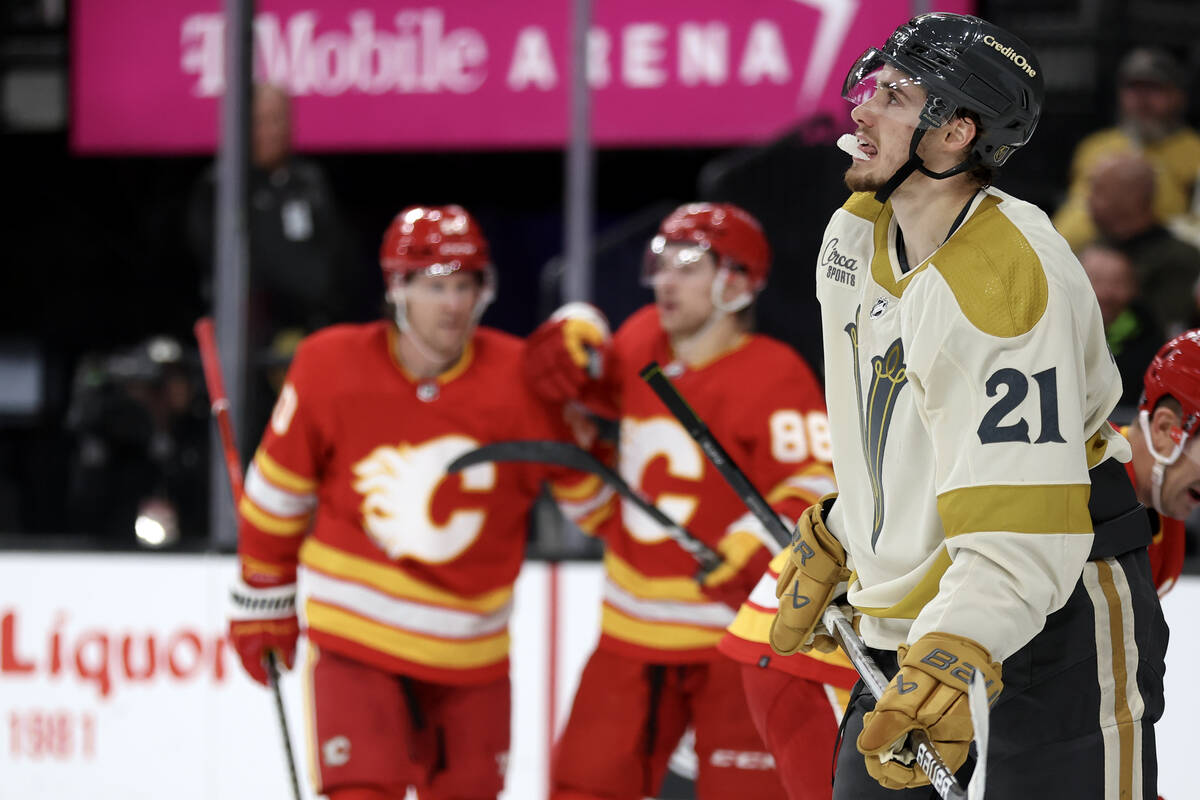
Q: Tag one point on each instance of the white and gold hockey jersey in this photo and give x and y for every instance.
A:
(967, 400)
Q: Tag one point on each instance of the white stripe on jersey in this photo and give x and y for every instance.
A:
(402, 614)
(706, 615)
(274, 500)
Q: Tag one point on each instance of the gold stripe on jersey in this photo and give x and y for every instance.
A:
(755, 626)
(1121, 712)
(647, 588)
(1097, 446)
(584, 489)
(455, 370)
(281, 476)
(995, 274)
(657, 635)
(794, 486)
(591, 522)
(389, 580)
(269, 523)
(911, 604)
(254, 566)
(427, 650)
(1121, 703)
(1057, 508)
(864, 206)
(881, 260)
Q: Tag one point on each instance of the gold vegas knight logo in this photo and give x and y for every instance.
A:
(888, 376)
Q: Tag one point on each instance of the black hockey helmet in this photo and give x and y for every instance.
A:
(965, 63)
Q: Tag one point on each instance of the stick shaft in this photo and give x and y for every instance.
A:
(210, 358)
(568, 455)
(716, 454)
(273, 677)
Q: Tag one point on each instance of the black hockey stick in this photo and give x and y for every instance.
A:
(206, 337)
(561, 454)
(725, 465)
(928, 758)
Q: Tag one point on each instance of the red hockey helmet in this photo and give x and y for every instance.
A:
(724, 229)
(1175, 371)
(434, 240)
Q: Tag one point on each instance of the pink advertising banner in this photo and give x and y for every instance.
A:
(471, 74)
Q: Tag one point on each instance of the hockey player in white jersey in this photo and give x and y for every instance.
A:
(985, 521)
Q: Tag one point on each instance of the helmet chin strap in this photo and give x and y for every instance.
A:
(399, 300)
(1161, 462)
(916, 164)
(721, 307)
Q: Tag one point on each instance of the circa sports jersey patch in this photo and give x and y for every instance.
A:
(838, 267)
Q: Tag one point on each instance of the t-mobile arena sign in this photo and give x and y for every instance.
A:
(376, 75)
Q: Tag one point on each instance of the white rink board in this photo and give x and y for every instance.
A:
(83, 715)
(80, 725)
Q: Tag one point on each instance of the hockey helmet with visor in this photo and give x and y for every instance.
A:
(723, 231)
(962, 64)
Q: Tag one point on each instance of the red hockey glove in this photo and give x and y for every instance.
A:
(928, 693)
(263, 619)
(808, 583)
(745, 560)
(559, 354)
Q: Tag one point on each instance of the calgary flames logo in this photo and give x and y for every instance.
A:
(643, 441)
(398, 485)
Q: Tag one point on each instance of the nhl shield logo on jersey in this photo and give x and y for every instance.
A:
(398, 484)
(839, 268)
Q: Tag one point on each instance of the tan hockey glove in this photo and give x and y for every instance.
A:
(930, 693)
(807, 584)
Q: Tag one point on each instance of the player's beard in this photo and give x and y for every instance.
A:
(862, 181)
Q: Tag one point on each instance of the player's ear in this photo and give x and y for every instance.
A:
(737, 283)
(959, 133)
(1164, 429)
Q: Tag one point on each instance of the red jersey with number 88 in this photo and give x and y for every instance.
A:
(765, 407)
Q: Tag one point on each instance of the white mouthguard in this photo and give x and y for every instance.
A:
(848, 142)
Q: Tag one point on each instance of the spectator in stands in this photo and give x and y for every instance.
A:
(1152, 99)
(141, 443)
(1119, 203)
(299, 275)
(1133, 335)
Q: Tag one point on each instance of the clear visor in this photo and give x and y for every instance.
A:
(682, 258)
(889, 90)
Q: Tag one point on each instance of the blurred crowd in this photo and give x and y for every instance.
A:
(138, 416)
(1132, 214)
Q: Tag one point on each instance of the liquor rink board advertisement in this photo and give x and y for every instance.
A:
(371, 74)
(116, 681)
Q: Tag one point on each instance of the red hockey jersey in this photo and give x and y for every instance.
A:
(401, 565)
(764, 405)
